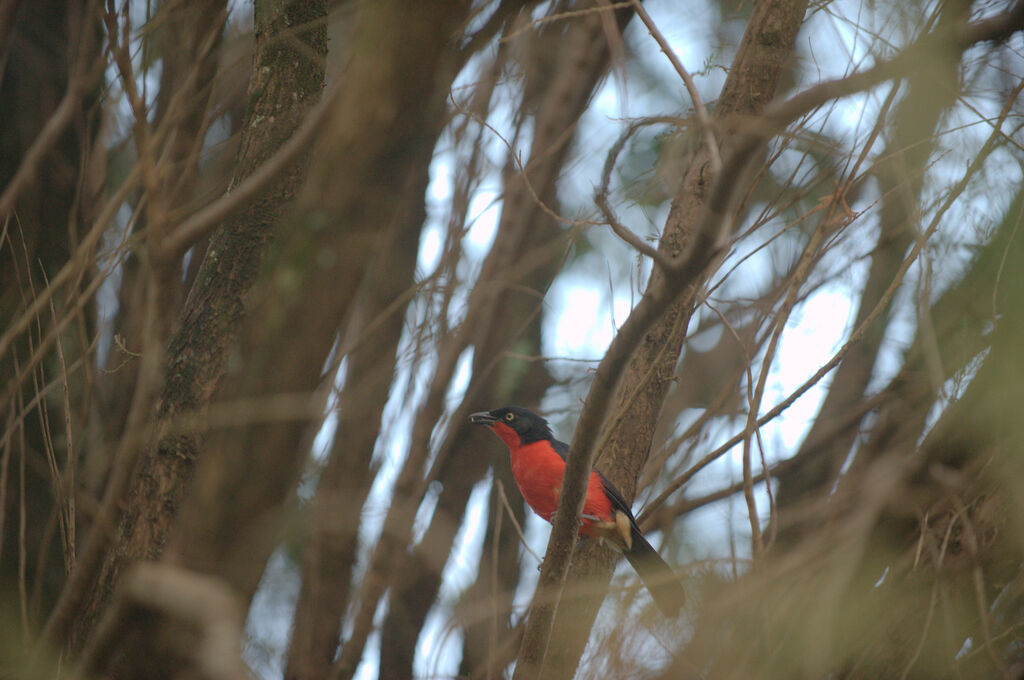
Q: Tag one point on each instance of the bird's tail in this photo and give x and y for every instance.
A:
(661, 581)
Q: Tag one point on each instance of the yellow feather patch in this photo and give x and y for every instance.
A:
(625, 529)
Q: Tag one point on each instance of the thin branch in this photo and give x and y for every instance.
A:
(75, 267)
(623, 232)
(706, 124)
(515, 523)
(520, 166)
(757, 544)
(142, 133)
(601, 196)
(970, 539)
(687, 505)
(64, 483)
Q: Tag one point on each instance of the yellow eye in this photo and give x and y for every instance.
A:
(510, 417)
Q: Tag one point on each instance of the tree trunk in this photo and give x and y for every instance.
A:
(285, 82)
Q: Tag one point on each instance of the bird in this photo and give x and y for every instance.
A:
(538, 463)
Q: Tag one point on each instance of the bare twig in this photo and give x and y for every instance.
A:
(72, 270)
(515, 523)
(623, 232)
(517, 159)
(706, 124)
(66, 481)
(142, 133)
(757, 545)
(601, 196)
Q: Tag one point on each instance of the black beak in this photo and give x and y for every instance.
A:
(482, 418)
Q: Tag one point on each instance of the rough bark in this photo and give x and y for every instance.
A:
(284, 84)
(187, 40)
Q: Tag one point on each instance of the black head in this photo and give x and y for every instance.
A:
(528, 425)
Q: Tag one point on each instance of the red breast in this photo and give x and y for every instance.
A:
(538, 472)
